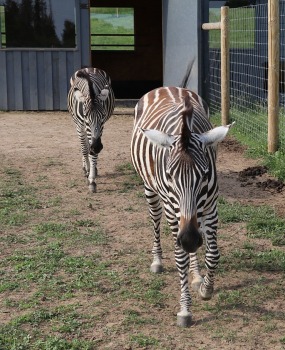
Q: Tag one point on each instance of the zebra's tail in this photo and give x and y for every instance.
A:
(186, 77)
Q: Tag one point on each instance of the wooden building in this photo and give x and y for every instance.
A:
(42, 42)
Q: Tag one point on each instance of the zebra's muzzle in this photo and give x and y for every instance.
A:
(189, 238)
(96, 146)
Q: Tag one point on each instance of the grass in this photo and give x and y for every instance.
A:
(58, 293)
(261, 222)
(111, 34)
(254, 122)
(242, 26)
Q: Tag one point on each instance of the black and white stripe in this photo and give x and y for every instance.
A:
(91, 102)
(173, 149)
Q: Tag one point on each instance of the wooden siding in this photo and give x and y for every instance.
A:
(36, 80)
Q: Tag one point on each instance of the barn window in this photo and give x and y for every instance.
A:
(37, 24)
(112, 28)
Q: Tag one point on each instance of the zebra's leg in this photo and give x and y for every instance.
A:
(197, 279)
(182, 259)
(211, 261)
(84, 143)
(155, 212)
(92, 172)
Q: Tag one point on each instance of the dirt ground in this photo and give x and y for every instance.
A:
(46, 144)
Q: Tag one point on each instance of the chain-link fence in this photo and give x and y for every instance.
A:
(248, 70)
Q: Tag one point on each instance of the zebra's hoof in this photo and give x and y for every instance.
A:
(156, 268)
(196, 283)
(206, 293)
(92, 188)
(184, 319)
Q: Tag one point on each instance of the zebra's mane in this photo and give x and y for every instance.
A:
(187, 115)
(84, 75)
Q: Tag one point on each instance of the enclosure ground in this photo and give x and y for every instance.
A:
(103, 279)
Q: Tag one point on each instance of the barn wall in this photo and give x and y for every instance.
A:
(181, 33)
(38, 79)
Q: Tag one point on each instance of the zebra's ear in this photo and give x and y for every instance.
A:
(104, 94)
(79, 96)
(212, 137)
(158, 137)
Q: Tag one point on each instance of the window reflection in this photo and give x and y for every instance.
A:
(112, 28)
(37, 23)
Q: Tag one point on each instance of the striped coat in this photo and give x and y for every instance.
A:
(173, 149)
(91, 103)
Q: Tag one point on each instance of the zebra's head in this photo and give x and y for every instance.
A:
(91, 100)
(188, 172)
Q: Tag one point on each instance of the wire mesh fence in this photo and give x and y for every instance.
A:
(248, 71)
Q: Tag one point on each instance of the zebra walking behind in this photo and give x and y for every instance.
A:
(173, 149)
(91, 102)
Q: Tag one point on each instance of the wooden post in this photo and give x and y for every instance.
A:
(273, 75)
(225, 65)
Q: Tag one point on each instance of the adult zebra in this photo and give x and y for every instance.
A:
(91, 102)
(173, 150)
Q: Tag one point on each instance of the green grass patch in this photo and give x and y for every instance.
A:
(17, 199)
(144, 340)
(254, 122)
(133, 180)
(242, 28)
(112, 29)
(261, 221)
(236, 212)
(268, 260)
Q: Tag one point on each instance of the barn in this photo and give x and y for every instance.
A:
(142, 44)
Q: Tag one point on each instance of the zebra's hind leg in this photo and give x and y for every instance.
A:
(155, 212)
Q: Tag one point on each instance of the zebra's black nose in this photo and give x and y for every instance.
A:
(189, 239)
(96, 146)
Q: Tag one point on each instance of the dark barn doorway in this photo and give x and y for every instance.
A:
(126, 41)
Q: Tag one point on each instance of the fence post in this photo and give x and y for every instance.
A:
(273, 75)
(225, 65)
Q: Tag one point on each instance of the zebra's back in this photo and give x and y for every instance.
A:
(168, 104)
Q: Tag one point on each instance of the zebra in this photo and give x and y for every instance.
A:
(91, 103)
(173, 149)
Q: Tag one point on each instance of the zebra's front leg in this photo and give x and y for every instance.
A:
(85, 166)
(211, 261)
(184, 316)
(155, 212)
(84, 143)
(92, 173)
